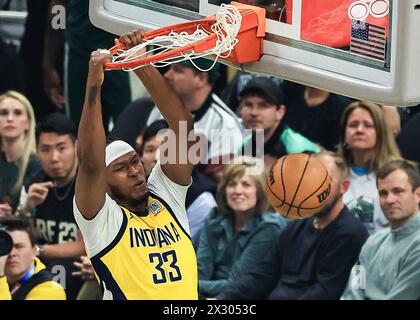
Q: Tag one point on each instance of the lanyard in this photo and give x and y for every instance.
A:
(25, 279)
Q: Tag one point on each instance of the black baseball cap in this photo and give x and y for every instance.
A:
(265, 85)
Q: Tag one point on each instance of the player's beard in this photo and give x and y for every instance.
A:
(328, 207)
(128, 201)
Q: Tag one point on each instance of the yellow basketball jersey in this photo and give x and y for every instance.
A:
(152, 257)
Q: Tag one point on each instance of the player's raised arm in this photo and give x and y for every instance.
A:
(91, 177)
(172, 109)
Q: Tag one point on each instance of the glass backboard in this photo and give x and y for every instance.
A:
(366, 49)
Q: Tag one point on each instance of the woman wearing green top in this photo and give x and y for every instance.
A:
(17, 148)
(238, 234)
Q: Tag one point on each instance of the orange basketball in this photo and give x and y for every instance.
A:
(298, 185)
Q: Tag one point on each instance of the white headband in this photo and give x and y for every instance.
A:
(115, 150)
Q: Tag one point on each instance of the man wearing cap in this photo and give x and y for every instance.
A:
(261, 108)
(136, 233)
(212, 118)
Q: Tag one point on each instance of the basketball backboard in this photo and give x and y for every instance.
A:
(366, 49)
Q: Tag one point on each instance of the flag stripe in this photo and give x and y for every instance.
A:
(374, 36)
(369, 44)
(361, 46)
(379, 43)
(362, 51)
(369, 55)
(375, 28)
(377, 34)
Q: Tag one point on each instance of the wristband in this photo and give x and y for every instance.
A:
(40, 253)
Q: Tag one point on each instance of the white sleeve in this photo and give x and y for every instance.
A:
(154, 116)
(99, 232)
(227, 141)
(198, 211)
(172, 193)
(23, 197)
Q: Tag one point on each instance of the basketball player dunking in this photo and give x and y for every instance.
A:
(136, 233)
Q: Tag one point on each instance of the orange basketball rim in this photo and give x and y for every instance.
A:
(248, 48)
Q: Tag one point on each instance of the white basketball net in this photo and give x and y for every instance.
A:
(226, 28)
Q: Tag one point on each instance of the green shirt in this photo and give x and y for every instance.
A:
(389, 265)
(223, 255)
(283, 141)
(9, 172)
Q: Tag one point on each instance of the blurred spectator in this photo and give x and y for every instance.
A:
(11, 30)
(91, 289)
(389, 263)
(82, 39)
(17, 148)
(312, 257)
(408, 140)
(10, 69)
(132, 122)
(32, 51)
(213, 120)
(200, 195)
(392, 119)
(27, 278)
(48, 197)
(149, 142)
(315, 113)
(261, 108)
(414, 110)
(366, 144)
(238, 234)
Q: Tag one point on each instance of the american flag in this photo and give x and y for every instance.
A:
(368, 40)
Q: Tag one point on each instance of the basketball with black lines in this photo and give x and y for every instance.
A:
(298, 185)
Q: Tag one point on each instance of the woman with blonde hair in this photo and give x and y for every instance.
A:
(237, 234)
(366, 143)
(17, 148)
